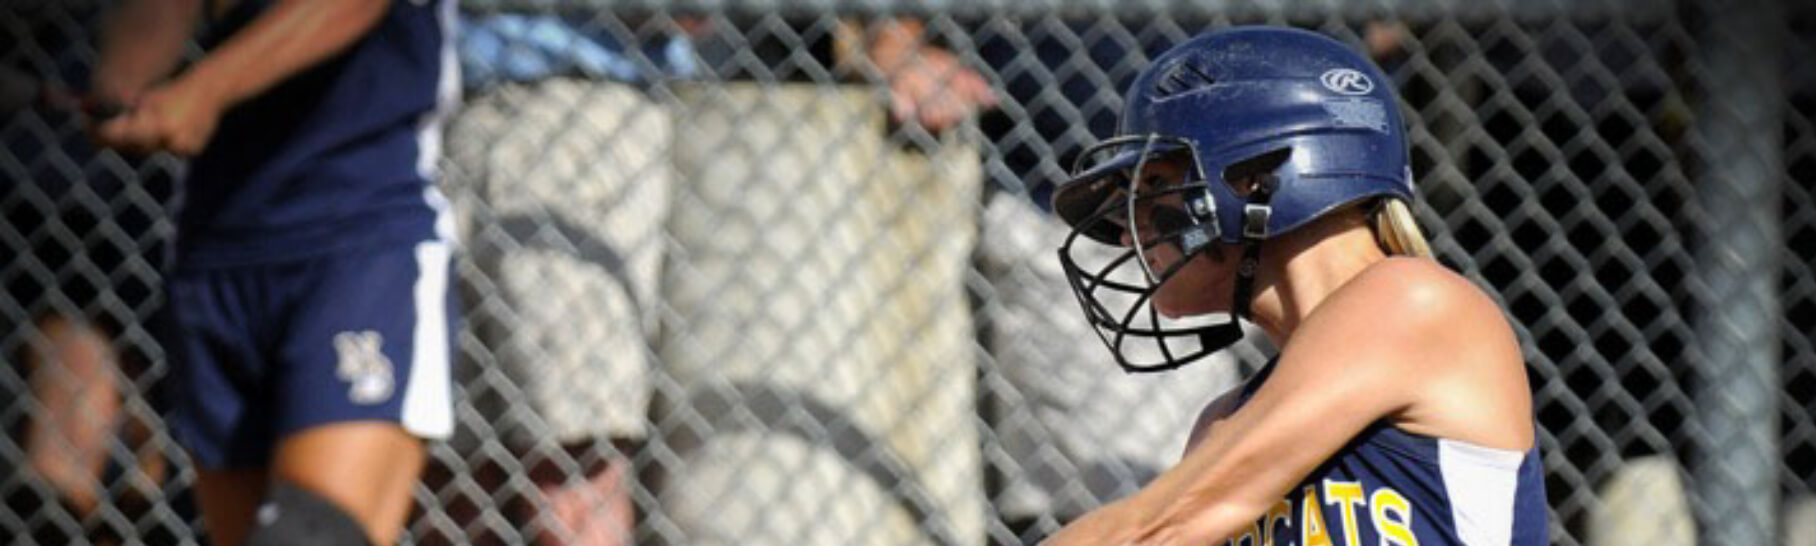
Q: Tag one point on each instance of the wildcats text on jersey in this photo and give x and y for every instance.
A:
(1332, 513)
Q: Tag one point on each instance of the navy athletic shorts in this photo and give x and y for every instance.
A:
(263, 351)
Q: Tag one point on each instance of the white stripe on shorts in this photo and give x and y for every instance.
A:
(429, 126)
(428, 393)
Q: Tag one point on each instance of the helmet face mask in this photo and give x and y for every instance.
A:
(1110, 257)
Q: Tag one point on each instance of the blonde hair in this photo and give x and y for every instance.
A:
(1397, 230)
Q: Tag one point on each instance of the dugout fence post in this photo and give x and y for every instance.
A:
(1738, 136)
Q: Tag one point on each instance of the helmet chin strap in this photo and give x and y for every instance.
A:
(1255, 214)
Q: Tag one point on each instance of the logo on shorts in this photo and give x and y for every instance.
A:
(364, 367)
(1346, 81)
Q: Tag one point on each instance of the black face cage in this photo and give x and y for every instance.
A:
(1136, 326)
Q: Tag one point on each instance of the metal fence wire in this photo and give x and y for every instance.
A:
(706, 269)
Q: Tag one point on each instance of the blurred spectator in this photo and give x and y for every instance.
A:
(823, 349)
(563, 171)
(561, 176)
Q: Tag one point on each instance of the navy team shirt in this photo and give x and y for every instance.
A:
(1391, 487)
(338, 156)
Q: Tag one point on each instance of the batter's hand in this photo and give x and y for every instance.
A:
(178, 117)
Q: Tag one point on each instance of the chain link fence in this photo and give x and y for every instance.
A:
(720, 289)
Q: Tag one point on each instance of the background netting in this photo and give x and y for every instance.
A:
(697, 240)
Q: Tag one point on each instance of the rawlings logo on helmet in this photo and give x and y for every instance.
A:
(1346, 81)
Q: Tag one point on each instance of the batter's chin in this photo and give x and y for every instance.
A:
(1173, 309)
(1169, 311)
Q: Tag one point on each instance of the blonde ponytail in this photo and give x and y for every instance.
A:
(1397, 231)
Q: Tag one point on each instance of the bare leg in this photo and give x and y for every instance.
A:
(72, 378)
(366, 468)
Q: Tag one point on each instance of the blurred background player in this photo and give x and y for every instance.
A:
(309, 308)
(1398, 409)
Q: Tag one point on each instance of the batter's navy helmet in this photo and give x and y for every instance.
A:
(1308, 120)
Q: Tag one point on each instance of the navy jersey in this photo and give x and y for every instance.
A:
(337, 156)
(1388, 486)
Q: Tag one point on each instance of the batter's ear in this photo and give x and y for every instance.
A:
(1243, 176)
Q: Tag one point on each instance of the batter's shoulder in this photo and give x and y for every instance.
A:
(1441, 309)
(1417, 290)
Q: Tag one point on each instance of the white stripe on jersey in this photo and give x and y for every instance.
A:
(428, 393)
(428, 129)
(1480, 482)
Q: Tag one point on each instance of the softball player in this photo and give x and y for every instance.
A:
(308, 321)
(1261, 173)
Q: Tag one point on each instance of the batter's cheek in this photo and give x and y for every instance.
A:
(1178, 299)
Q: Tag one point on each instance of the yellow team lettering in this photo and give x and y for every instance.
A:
(1346, 495)
(1281, 512)
(1393, 518)
(1387, 509)
(1312, 513)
